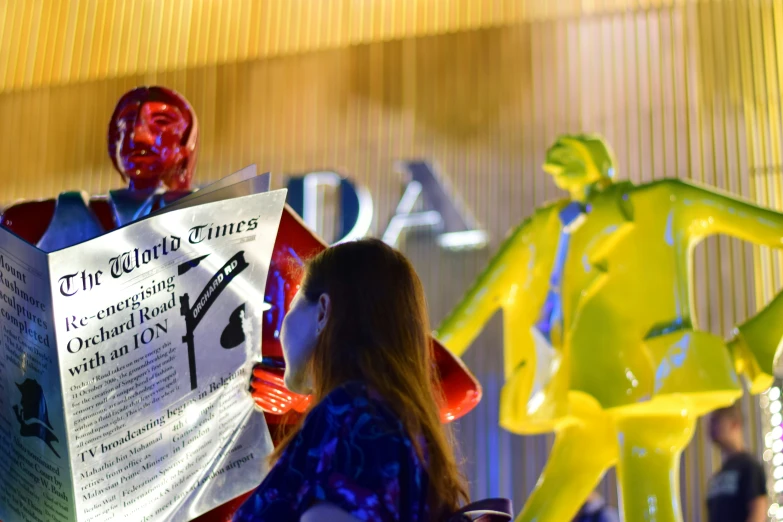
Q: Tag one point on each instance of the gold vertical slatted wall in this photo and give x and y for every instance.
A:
(61, 41)
(687, 89)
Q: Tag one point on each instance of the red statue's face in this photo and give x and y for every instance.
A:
(152, 139)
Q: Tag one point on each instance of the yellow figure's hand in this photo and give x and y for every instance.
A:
(757, 345)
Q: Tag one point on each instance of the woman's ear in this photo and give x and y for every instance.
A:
(324, 311)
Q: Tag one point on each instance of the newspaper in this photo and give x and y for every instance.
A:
(126, 360)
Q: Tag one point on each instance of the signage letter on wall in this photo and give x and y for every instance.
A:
(355, 203)
(456, 231)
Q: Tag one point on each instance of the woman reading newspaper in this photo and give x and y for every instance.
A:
(372, 446)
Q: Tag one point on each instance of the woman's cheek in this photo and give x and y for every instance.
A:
(289, 339)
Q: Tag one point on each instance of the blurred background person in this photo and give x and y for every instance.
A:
(595, 509)
(738, 492)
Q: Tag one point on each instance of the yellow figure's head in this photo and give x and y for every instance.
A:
(580, 162)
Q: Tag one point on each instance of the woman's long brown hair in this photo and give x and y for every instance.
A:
(378, 333)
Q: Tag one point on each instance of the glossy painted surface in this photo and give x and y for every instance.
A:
(153, 138)
(601, 342)
(73, 218)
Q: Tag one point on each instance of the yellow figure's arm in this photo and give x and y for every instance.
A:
(758, 341)
(490, 292)
(716, 212)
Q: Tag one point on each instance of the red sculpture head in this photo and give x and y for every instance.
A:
(153, 135)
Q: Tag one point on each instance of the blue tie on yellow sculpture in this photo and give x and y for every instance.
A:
(601, 344)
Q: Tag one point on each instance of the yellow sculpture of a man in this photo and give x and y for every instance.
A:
(601, 342)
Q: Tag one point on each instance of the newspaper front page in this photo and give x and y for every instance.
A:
(142, 349)
(35, 472)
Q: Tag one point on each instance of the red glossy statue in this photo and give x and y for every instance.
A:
(153, 136)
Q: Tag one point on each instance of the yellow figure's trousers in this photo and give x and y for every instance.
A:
(644, 440)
